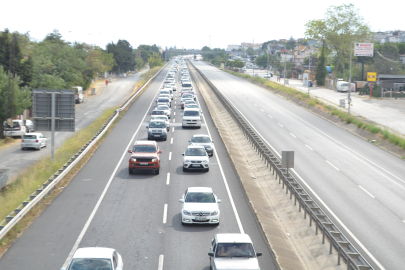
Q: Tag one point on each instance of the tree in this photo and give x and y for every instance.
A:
(155, 60)
(341, 26)
(321, 72)
(206, 49)
(387, 59)
(291, 43)
(250, 51)
(124, 58)
(239, 64)
(5, 49)
(261, 61)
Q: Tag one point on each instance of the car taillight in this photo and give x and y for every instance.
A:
(22, 140)
(36, 140)
(19, 127)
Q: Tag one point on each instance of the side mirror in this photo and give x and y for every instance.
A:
(181, 114)
(189, 141)
(160, 151)
(147, 127)
(211, 254)
(219, 201)
(181, 200)
(182, 154)
(129, 151)
(213, 141)
(258, 254)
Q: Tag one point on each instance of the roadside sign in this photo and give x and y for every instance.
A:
(371, 76)
(364, 49)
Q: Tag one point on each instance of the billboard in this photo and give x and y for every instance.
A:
(364, 49)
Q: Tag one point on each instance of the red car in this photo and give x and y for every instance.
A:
(145, 155)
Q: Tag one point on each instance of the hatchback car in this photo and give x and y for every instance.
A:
(95, 258)
(199, 205)
(33, 140)
(145, 155)
(205, 141)
(157, 130)
(164, 108)
(163, 118)
(195, 158)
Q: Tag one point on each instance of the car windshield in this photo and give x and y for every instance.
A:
(187, 96)
(161, 117)
(187, 84)
(195, 152)
(30, 136)
(162, 108)
(158, 112)
(189, 102)
(157, 124)
(192, 106)
(200, 197)
(234, 250)
(90, 264)
(144, 149)
(191, 113)
(165, 92)
(201, 140)
(163, 100)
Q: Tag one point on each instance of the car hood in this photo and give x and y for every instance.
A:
(204, 207)
(236, 263)
(196, 158)
(206, 145)
(191, 117)
(152, 155)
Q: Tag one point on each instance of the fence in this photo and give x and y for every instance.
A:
(346, 251)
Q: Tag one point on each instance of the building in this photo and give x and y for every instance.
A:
(396, 36)
(233, 48)
(254, 46)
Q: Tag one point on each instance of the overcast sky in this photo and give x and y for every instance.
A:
(183, 23)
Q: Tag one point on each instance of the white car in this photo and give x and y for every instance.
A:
(173, 85)
(163, 101)
(96, 258)
(164, 108)
(233, 251)
(163, 118)
(205, 141)
(33, 140)
(199, 205)
(166, 91)
(195, 158)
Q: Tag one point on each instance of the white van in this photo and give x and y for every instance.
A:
(191, 117)
(342, 86)
(14, 128)
(79, 95)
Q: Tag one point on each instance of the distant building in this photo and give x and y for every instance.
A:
(397, 36)
(254, 46)
(233, 47)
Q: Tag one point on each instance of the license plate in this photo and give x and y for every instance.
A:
(157, 135)
(200, 218)
(142, 163)
(195, 165)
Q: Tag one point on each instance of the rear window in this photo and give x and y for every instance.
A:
(186, 84)
(163, 100)
(30, 136)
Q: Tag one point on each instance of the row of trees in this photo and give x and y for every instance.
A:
(54, 63)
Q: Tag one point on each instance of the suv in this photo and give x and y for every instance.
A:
(157, 130)
(195, 158)
(17, 127)
(233, 251)
(145, 155)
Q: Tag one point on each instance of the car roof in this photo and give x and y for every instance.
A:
(191, 109)
(195, 146)
(93, 252)
(199, 189)
(145, 143)
(201, 135)
(33, 133)
(233, 238)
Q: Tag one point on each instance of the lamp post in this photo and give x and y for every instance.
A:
(309, 64)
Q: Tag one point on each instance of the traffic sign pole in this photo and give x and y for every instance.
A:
(371, 88)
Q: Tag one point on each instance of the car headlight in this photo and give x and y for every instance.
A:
(154, 159)
(205, 161)
(187, 161)
(214, 213)
(133, 159)
(187, 213)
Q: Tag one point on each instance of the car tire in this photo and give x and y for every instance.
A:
(130, 170)
(39, 148)
(157, 171)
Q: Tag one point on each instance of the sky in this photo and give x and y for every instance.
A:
(184, 24)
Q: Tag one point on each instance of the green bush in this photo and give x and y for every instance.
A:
(385, 133)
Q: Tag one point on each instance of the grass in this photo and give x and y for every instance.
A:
(7, 141)
(349, 119)
(34, 176)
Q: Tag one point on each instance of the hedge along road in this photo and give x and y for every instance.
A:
(114, 95)
(360, 186)
(139, 214)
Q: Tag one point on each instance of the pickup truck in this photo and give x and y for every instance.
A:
(233, 251)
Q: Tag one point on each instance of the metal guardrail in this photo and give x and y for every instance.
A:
(14, 217)
(346, 251)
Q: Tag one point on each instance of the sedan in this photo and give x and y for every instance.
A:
(195, 157)
(95, 258)
(199, 205)
(33, 140)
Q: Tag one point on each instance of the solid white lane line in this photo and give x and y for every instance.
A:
(174, 113)
(93, 213)
(293, 135)
(165, 214)
(168, 179)
(170, 156)
(262, 110)
(270, 116)
(371, 195)
(160, 266)
(172, 129)
(171, 141)
(309, 147)
(174, 120)
(311, 190)
(332, 165)
(256, 105)
(250, 100)
(280, 125)
(175, 107)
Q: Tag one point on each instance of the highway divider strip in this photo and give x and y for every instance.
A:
(14, 217)
(346, 251)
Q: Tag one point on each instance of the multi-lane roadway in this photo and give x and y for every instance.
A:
(139, 214)
(360, 186)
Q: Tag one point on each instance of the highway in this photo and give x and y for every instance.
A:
(105, 206)
(359, 185)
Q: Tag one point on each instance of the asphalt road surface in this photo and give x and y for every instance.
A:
(131, 216)
(360, 186)
(16, 160)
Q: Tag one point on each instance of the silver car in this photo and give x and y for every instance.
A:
(203, 140)
(163, 118)
(95, 258)
(33, 140)
(165, 108)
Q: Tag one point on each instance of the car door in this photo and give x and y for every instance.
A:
(43, 139)
(213, 250)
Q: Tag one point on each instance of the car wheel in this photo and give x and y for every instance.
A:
(129, 170)
(39, 148)
(157, 171)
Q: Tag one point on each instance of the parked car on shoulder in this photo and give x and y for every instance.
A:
(17, 127)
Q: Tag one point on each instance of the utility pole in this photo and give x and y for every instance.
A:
(350, 78)
(309, 64)
(11, 77)
(285, 64)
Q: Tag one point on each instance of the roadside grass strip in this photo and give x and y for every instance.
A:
(348, 118)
